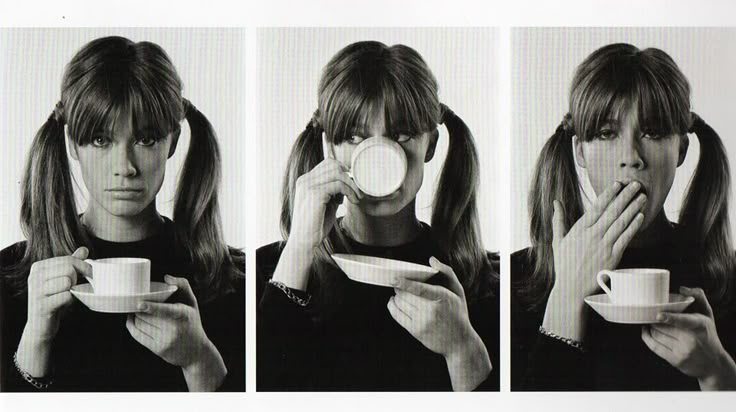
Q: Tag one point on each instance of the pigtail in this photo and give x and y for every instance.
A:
(704, 214)
(455, 214)
(48, 213)
(196, 209)
(555, 178)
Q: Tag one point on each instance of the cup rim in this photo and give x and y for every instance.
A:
(373, 141)
(641, 271)
(121, 260)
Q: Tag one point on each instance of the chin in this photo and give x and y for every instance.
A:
(125, 209)
(381, 208)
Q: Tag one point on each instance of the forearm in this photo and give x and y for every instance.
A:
(294, 265)
(469, 366)
(34, 356)
(207, 373)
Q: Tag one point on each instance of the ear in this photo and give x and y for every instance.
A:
(434, 136)
(327, 152)
(579, 157)
(174, 140)
(684, 144)
(72, 147)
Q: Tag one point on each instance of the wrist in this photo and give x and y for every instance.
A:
(33, 354)
(207, 372)
(564, 316)
(722, 377)
(469, 364)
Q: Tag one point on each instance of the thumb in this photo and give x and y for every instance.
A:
(184, 292)
(558, 222)
(81, 253)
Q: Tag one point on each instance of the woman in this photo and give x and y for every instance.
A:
(628, 128)
(319, 330)
(122, 106)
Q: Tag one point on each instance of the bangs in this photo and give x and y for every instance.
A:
(404, 93)
(652, 86)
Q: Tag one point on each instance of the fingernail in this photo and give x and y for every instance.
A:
(433, 260)
(168, 278)
(142, 306)
(635, 185)
(661, 317)
(684, 289)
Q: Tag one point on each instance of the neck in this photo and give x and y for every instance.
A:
(106, 226)
(394, 230)
(654, 233)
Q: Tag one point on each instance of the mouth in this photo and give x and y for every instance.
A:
(124, 192)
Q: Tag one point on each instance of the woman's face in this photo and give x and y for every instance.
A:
(418, 149)
(621, 151)
(123, 169)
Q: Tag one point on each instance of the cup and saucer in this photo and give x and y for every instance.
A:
(118, 285)
(381, 271)
(636, 296)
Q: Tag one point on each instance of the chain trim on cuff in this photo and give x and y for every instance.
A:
(568, 341)
(289, 294)
(38, 383)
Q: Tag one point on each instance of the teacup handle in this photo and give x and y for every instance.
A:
(89, 279)
(602, 283)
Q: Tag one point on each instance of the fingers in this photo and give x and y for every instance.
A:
(81, 253)
(617, 207)
(399, 316)
(137, 334)
(701, 304)
(185, 293)
(148, 325)
(664, 335)
(600, 204)
(56, 285)
(409, 302)
(558, 222)
(656, 347)
(329, 172)
(453, 283)
(625, 238)
(431, 292)
(623, 221)
(58, 300)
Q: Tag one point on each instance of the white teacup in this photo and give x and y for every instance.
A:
(378, 166)
(636, 287)
(120, 276)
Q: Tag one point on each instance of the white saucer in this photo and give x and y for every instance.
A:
(121, 304)
(636, 314)
(380, 271)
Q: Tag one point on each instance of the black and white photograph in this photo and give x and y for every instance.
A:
(378, 267)
(623, 275)
(123, 252)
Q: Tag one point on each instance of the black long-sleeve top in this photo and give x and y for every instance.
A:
(94, 351)
(615, 357)
(359, 347)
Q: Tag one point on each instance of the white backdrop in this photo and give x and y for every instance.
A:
(211, 64)
(290, 63)
(544, 61)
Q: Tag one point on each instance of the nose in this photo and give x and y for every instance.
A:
(629, 152)
(124, 161)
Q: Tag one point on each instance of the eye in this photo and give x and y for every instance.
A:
(403, 137)
(606, 134)
(146, 140)
(651, 135)
(100, 141)
(354, 139)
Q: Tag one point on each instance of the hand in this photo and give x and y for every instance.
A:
(48, 295)
(689, 342)
(437, 317)
(318, 194)
(317, 197)
(174, 332)
(594, 243)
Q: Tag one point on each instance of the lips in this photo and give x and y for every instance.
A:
(124, 192)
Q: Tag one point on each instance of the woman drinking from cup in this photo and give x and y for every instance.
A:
(628, 128)
(119, 116)
(319, 330)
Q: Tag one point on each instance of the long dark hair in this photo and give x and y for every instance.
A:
(359, 80)
(605, 85)
(109, 78)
